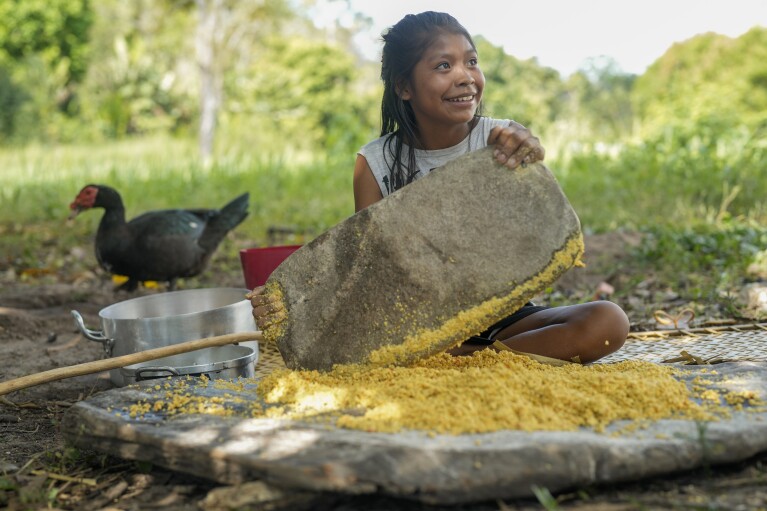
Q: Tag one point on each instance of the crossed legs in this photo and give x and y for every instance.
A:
(589, 331)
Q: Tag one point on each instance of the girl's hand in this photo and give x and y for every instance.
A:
(266, 310)
(515, 145)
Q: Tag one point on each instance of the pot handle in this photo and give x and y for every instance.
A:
(93, 335)
(139, 373)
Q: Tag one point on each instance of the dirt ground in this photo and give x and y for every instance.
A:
(37, 470)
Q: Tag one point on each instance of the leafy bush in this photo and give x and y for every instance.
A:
(11, 98)
(704, 261)
(709, 172)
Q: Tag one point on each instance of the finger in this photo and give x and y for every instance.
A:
(494, 134)
(261, 314)
(508, 143)
(256, 291)
(263, 321)
(530, 151)
(272, 320)
(267, 309)
(269, 313)
(505, 150)
(503, 133)
(519, 157)
(537, 154)
(264, 299)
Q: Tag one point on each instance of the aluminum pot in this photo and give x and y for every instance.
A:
(154, 321)
(223, 362)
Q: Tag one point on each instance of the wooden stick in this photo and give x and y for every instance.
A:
(116, 362)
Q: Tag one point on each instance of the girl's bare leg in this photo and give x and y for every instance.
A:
(589, 331)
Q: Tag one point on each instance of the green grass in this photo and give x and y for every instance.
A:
(679, 180)
(39, 183)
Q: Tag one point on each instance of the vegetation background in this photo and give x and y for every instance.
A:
(187, 103)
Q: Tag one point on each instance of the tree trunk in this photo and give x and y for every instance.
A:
(209, 12)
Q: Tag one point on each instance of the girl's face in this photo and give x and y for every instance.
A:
(446, 86)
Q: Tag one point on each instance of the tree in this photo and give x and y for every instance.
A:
(708, 76)
(227, 32)
(142, 79)
(210, 16)
(313, 89)
(517, 89)
(58, 30)
(44, 53)
(600, 98)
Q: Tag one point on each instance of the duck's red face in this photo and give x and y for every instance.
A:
(84, 200)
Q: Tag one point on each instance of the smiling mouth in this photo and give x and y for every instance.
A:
(463, 99)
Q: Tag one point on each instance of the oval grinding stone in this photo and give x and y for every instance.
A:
(427, 267)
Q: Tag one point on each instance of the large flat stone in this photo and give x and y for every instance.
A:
(441, 469)
(427, 267)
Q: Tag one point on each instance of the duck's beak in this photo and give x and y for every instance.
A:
(75, 210)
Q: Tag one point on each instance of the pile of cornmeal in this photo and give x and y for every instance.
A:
(488, 391)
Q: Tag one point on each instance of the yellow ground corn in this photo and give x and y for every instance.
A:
(275, 330)
(474, 320)
(488, 391)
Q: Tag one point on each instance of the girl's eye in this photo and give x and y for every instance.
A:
(443, 65)
(473, 62)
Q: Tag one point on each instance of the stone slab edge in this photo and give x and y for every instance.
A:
(444, 469)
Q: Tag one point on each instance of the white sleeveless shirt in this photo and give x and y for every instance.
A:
(426, 161)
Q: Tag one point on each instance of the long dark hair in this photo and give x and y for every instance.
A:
(404, 45)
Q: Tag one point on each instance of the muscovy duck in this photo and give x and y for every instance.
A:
(161, 245)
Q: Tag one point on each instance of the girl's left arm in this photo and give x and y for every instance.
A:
(515, 145)
(366, 190)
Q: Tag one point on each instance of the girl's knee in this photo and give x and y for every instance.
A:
(609, 327)
(613, 315)
(607, 313)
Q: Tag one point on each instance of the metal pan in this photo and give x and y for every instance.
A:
(154, 321)
(224, 362)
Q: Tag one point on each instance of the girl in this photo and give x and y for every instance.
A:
(430, 115)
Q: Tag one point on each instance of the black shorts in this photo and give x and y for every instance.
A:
(487, 337)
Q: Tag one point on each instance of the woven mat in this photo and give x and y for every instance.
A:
(707, 345)
(697, 345)
(269, 359)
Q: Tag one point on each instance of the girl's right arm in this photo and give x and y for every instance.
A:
(366, 190)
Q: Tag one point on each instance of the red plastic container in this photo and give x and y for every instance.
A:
(259, 263)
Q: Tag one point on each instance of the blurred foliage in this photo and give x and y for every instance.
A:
(44, 56)
(146, 78)
(55, 30)
(12, 96)
(600, 100)
(318, 108)
(519, 90)
(707, 173)
(708, 76)
(704, 248)
(89, 72)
